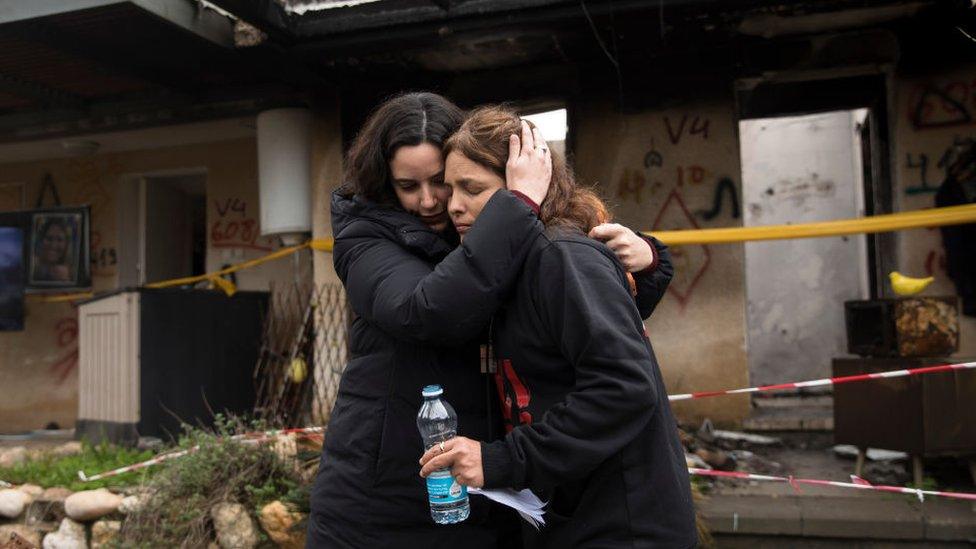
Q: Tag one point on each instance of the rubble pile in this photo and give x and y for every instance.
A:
(710, 448)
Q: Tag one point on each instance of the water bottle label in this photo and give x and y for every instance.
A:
(443, 489)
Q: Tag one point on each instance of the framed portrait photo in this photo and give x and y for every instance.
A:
(59, 249)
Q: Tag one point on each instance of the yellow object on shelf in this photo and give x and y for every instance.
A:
(906, 285)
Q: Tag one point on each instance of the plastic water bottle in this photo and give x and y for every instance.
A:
(437, 422)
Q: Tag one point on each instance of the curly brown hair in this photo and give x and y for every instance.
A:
(483, 138)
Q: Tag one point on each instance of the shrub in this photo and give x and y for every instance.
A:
(183, 490)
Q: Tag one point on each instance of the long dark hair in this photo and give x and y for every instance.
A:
(483, 138)
(406, 120)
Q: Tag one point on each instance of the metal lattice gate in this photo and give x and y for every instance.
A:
(303, 354)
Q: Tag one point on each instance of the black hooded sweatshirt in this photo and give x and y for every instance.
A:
(421, 305)
(590, 425)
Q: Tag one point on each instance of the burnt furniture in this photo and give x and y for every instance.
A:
(904, 326)
(926, 415)
(150, 359)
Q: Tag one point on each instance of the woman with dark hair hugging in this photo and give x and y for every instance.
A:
(421, 303)
(590, 426)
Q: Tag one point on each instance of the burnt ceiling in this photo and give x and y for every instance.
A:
(122, 65)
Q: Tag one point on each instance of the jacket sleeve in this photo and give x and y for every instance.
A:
(399, 292)
(653, 281)
(584, 303)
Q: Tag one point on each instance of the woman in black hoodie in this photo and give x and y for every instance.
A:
(420, 304)
(590, 426)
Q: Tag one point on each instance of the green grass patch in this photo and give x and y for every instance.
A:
(49, 470)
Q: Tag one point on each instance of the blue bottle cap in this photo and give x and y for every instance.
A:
(432, 391)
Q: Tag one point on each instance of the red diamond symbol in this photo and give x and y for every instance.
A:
(694, 258)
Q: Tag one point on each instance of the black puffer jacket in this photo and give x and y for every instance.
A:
(591, 429)
(415, 324)
(420, 308)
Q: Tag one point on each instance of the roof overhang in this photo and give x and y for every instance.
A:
(207, 24)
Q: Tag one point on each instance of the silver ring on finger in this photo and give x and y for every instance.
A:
(442, 447)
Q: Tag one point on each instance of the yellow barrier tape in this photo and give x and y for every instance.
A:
(321, 244)
(227, 286)
(214, 278)
(277, 254)
(61, 298)
(933, 217)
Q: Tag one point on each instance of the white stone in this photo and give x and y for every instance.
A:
(133, 504)
(13, 456)
(91, 504)
(56, 493)
(67, 449)
(104, 533)
(70, 535)
(32, 491)
(12, 502)
(235, 529)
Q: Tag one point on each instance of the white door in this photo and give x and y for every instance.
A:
(796, 170)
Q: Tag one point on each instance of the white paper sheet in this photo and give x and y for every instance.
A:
(525, 502)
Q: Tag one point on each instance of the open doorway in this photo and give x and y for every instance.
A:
(163, 228)
(800, 169)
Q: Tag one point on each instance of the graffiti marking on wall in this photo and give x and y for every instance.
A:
(696, 175)
(691, 261)
(234, 228)
(66, 338)
(940, 106)
(103, 258)
(699, 126)
(631, 183)
(653, 158)
(921, 163)
(724, 187)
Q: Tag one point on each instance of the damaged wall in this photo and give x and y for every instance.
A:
(933, 113)
(38, 366)
(679, 169)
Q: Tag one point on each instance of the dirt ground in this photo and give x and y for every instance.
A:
(811, 455)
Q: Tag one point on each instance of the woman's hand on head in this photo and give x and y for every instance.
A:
(529, 167)
(634, 252)
(461, 455)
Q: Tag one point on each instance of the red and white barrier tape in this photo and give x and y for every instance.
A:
(856, 483)
(828, 381)
(247, 437)
(687, 396)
